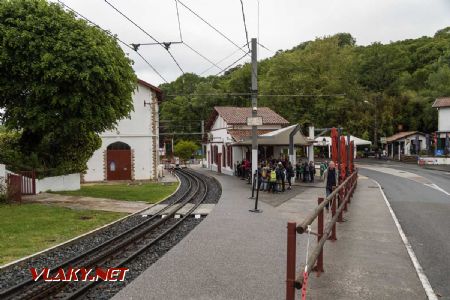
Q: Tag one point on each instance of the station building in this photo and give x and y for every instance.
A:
(229, 137)
(130, 151)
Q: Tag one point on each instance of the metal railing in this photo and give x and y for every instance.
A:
(338, 200)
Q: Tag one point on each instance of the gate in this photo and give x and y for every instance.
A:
(20, 184)
(13, 184)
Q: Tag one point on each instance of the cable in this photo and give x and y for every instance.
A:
(178, 17)
(225, 58)
(235, 62)
(204, 57)
(245, 26)
(144, 31)
(209, 24)
(115, 37)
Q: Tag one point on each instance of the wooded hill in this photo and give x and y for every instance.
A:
(392, 85)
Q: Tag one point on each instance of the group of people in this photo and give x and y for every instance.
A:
(305, 171)
(273, 176)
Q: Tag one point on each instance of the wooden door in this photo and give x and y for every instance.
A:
(118, 164)
(219, 160)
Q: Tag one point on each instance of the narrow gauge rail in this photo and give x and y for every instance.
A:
(117, 251)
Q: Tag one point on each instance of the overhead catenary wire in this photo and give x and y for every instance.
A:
(148, 34)
(245, 25)
(259, 95)
(210, 25)
(179, 23)
(115, 37)
(231, 65)
(225, 58)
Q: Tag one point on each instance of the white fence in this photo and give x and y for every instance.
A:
(69, 182)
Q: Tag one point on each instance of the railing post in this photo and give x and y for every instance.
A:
(333, 213)
(319, 264)
(291, 254)
(341, 198)
(346, 190)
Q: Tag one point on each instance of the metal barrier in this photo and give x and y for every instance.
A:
(339, 199)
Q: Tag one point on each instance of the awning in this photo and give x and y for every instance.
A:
(356, 140)
(279, 137)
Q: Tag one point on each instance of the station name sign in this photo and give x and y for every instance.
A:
(254, 121)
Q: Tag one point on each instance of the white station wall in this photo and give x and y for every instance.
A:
(444, 119)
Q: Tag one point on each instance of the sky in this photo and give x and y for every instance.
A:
(283, 24)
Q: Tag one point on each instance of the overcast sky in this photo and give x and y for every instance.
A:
(283, 24)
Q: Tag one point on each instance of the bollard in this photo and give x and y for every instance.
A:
(319, 263)
(333, 213)
(253, 188)
(291, 256)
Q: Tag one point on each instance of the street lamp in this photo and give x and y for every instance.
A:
(375, 131)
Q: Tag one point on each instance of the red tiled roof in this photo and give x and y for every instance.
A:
(442, 102)
(241, 134)
(239, 115)
(401, 135)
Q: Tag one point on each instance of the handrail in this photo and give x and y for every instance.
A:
(341, 196)
(316, 252)
(301, 228)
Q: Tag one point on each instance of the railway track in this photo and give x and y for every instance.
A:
(118, 251)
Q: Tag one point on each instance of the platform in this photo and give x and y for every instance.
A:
(236, 254)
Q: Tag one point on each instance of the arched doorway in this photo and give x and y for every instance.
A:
(118, 161)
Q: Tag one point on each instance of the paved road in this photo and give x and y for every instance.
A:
(423, 212)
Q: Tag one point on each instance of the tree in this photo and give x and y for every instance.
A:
(185, 149)
(62, 82)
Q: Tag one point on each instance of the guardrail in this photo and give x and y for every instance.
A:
(338, 199)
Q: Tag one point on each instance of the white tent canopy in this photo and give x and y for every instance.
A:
(356, 140)
(279, 137)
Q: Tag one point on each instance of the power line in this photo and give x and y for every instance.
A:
(204, 57)
(259, 95)
(115, 37)
(179, 23)
(225, 58)
(235, 62)
(148, 34)
(245, 25)
(209, 24)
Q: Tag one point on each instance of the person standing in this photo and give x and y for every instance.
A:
(289, 175)
(282, 176)
(298, 171)
(331, 179)
(305, 172)
(272, 181)
(312, 171)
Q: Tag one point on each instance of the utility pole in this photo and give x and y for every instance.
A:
(254, 117)
(254, 106)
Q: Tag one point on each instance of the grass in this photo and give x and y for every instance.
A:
(29, 228)
(148, 192)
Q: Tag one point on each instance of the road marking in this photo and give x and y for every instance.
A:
(436, 187)
(422, 277)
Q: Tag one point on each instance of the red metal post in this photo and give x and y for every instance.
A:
(333, 213)
(291, 254)
(334, 145)
(319, 264)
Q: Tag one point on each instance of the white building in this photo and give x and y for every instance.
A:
(228, 125)
(405, 143)
(443, 133)
(130, 152)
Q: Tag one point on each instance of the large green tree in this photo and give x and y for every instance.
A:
(62, 81)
